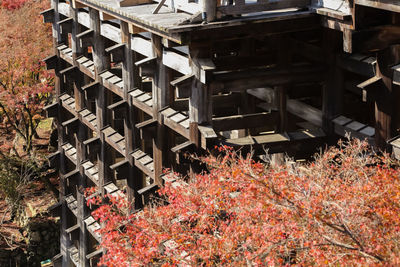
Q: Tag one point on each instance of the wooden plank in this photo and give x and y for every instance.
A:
(245, 121)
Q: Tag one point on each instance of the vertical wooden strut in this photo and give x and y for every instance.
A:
(333, 89)
(58, 84)
(101, 63)
(79, 139)
(387, 121)
(131, 80)
(200, 101)
(160, 100)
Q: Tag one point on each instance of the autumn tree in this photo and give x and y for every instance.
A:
(25, 84)
(342, 209)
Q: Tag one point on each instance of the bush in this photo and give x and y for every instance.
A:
(341, 209)
(15, 173)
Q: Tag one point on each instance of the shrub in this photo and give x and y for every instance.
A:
(341, 209)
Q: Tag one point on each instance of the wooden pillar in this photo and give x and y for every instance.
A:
(333, 89)
(387, 110)
(130, 76)
(200, 101)
(101, 63)
(58, 84)
(80, 137)
(161, 97)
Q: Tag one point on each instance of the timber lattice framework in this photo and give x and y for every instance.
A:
(140, 83)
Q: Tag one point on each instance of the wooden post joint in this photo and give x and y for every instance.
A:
(147, 66)
(51, 110)
(48, 15)
(85, 38)
(91, 90)
(117, 53)
(66, 25)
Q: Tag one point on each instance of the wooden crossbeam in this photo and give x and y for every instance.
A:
(121, 169)
(72, 175)
(94, 254)
(73, 232)
(48, 15)
(92, 145)
(55, 209)
(125, 3)
(207, 135)
(91, 89)
(371, 39)
(147, 192)
(51, 62)
(69, 72)
(54, 159)
(85, 38)
(245, 121)
(146, 66)
(147, 128)
(76, 4)
(117, 52)
(119, 109)
(51, 110)
(370, 88)
(183, 85)
(71, 125)
(66, 25)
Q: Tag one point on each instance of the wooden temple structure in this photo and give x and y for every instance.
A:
(142, 83)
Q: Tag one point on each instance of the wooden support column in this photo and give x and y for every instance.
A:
(333, 89)
(200, 101)
(160, 100)
(101, 63)
(130, 76)
(58, 84)
(80, 137)
(387, 110)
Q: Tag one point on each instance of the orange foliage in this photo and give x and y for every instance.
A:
(25, 84)
(341, 209)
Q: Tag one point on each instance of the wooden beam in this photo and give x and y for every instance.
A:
(375, 38)
(146, 66)
(65, 25)
(182, 85)
(85, 38)
(119, 109)
(370, 88)
(245, 121)
(125, 3)
(92, 145)
(51, 62)
(117, 52)
(51, 110)
(91, 89)
(48, 15)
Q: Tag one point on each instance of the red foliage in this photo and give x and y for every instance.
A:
(341, 209)
(25, 84)
(12, 4)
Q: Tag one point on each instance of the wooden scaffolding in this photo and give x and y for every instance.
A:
(140, 83)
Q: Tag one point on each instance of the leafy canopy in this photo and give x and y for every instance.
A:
(341, 209)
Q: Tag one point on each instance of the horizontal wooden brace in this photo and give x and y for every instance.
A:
(71, 125)
(146, 66)
(51, 110)
(207, 135)
(91, 89)
(187, 146)
(73, 232)
(94, 254)
(117, 53)
(66, 25)
(92, 145)
(370, 88)
(119, 109)
(69, 72)
(55, 209)
(48, 15)
(76, 4)
(183, 85)
(245, 121)
(146, 193)
(147, 128)
(71, 176)
(51, 62)
(85, 38)
(54, 159)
